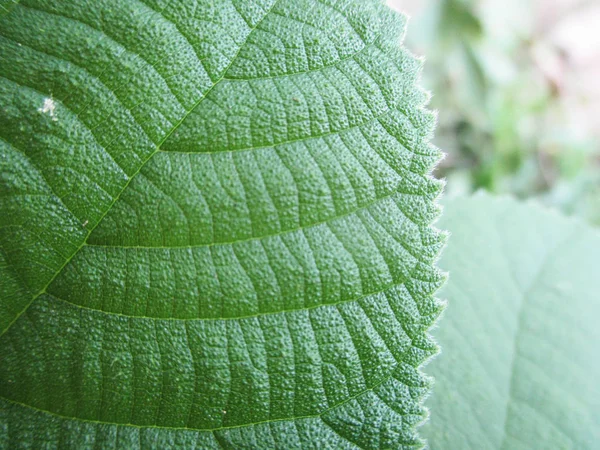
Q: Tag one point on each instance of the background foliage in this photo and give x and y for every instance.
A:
(515, 83)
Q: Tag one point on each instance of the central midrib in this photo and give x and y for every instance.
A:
(520, 327)
(142, 165)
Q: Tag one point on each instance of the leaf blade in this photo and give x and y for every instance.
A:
(523, 283)
(199, 300)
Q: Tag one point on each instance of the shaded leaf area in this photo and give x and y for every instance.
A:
(519, 366)
(216, 226)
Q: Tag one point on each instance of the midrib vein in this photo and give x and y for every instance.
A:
(520, 316)
(134, 175)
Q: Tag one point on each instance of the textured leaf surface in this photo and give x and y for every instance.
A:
(215, 225)
(6, 6)
(520, 364)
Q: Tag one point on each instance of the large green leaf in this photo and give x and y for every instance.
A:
(520, 363)
(215, 225)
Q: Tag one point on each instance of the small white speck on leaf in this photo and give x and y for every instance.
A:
(84, 224)
(48, 108)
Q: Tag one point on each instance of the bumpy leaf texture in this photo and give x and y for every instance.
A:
(215, 225)
(521, 366)
(6, 6)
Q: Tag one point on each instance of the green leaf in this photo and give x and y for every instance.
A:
(6, 6)
(215, 225)
(520, 364)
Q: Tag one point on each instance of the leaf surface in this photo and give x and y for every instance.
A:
(216, 225)
(520, 365)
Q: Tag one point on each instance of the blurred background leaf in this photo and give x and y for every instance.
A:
(517, 87)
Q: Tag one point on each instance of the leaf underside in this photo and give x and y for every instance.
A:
(216, 225)
(520, 367)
